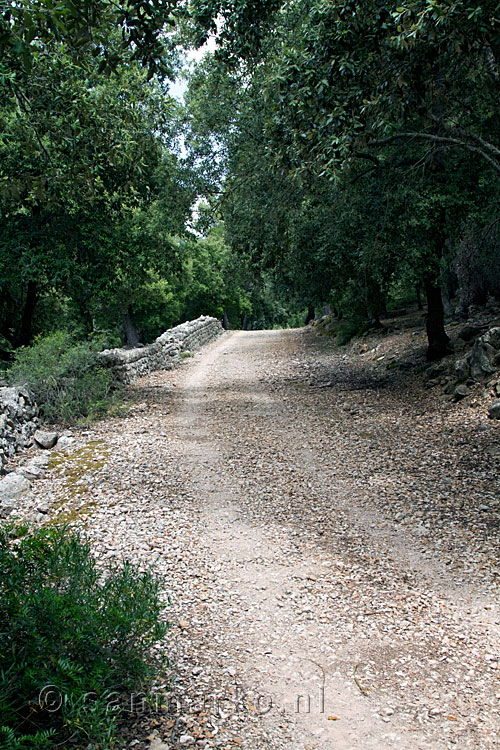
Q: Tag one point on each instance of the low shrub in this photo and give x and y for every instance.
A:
(65, 378)
(72, 640)
(349, 328)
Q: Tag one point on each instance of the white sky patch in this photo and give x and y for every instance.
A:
(178, 88)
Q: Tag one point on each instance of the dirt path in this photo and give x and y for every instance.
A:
(288, 495)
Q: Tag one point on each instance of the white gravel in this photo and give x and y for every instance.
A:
(328, 533)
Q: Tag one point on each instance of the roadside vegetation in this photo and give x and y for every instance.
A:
(65, 378)
(77, 640)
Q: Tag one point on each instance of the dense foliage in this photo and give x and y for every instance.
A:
(84, 26)
(348, 155)
(73, 640)
(95, 196)
(64, 377)
(360, 147)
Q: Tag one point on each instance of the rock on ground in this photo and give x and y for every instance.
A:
(494, 410)
(12, 488)
(45, 439)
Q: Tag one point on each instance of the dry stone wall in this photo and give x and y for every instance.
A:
(19, 418)
(18, 421)
(129, 364)
(19, 414)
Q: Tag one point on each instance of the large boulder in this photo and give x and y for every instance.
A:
(494, 410)
(482, 357)
(12, 488)
(471, 331)
(45, 439)
(492, 337)
(462, 370)
(460, 392)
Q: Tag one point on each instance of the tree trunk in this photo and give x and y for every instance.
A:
(26, 327)
(7, 311)
(439, 343)
(225, 321)
(310, 315)
(132, 337)
(375, 303)
(418, 294)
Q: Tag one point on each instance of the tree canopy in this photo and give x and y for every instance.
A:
(357, 140)
(348, 155)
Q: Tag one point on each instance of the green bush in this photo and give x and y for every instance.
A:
(64, 377)
(349, 328)
(71, 640)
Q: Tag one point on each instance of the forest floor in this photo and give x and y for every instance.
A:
(329, 535)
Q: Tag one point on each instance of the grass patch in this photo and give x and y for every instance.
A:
(75, 467)
(74, 513)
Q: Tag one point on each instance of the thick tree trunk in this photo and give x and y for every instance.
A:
(310, 315)
(225, 321)
(132, 337)
(439, 343)
(26, 327)
(8, 306)
(375, 303)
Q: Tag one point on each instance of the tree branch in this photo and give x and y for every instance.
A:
(447, 140)
(362, 174)
(364, 155)
(456, 129)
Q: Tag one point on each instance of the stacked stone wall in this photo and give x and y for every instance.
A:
(18, 421)
(128, 365)
(19, 414)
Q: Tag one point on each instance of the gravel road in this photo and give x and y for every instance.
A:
(328, 533)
